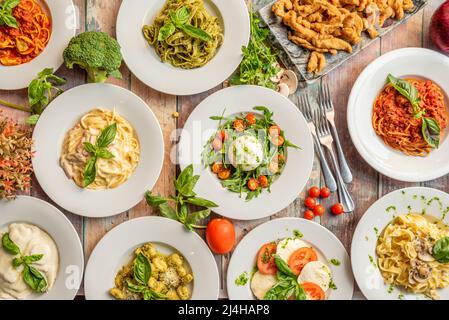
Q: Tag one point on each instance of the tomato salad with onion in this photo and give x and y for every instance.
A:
(247, 152)
(291, 269)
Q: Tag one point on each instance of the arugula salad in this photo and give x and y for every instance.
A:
(247, 152)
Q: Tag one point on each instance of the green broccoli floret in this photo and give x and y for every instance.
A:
(95, 52)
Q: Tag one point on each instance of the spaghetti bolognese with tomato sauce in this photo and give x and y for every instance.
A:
(394, 121)
(21, 45)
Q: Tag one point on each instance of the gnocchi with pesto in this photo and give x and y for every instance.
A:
(152, 275)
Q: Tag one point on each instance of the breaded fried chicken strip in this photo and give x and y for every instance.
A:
(316, 63)
(281, 7)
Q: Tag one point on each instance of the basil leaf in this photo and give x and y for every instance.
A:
(300, 294)
(134, 287)
(283, 266)
(9, 245)
(182, 15)
(195, 32)
(8, 5)
(147, 295)
(168, 211)
(104, 154)
(90, 171)
(431, 131)
(89, 147)
(440, 250)
(34, 279)
(196, 216)
(406, 89)
(186, 182)
(166, 31)
(9, 20)
(142, 269)
(107, 136)
(32, 120)
(16, 262)
(156, 295)
(36, 92)
(154, 200)
(201, 202)
(183, 212)
(46, 72)
(32, 258)
(56, 80)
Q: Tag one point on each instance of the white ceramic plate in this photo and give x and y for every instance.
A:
(117, 246)
(146, 65)
(51, 220)
(419, 62)
(199, 128)
(61, 115)
(377, 217)
(63, 17)
(329, 247)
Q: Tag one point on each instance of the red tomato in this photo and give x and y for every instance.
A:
(222, 135)
(310, 202)
(325, 193)
(217, 144)
(308, 215)
(318, 210)
(224, 174)
(313, 291)
(300, 258)
(277, 140)
(274, 131)
(263, 180)
(220, 235)
(337, 209)
(217, 167)
(238, 125)
(314, 192)
(250, 118)
(265, 259)
(252, 184)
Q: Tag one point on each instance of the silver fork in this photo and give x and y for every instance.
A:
(306, 109)
(327, 107)
(326, 140)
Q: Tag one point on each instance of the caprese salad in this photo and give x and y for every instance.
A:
(247, 152)
(291, 269)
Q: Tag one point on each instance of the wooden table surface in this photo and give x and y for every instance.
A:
(367, 187)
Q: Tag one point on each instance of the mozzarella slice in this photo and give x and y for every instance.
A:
(247, 152)
(286, 247)
(261, 283)
(316, 272)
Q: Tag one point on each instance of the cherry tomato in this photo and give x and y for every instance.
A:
(238, 125)
(265, 259)
(263, 181)
(217, 144)
(273, 166)
(274, 131)
(224, 174)
(300, 258)
(318, 210)
(222, 135)
(250, 118)
(220, 235)
(337, 209)
(314, 192)
(217, 167)
(325, 193)
(308, 214)
(310, 202)
(313, 291)
(277, 140)
(252, 184)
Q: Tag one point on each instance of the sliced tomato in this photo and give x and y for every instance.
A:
(265, 259)
(300, 258)
(313, 291)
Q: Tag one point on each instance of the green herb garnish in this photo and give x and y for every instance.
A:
(6, 16)
(31, 276)
(335, 262)
(242, 279)
(287, 285)
(440, 250)
(98, 151)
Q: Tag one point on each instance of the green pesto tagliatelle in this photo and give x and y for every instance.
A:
(185, 34)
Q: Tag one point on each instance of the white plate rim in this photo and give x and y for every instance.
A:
(360, 82)
(63, 15)
(286, 114)
(361, 248)
(100, 203)
(313, 233)
(70, 231)
(162, 224)
(236, 21)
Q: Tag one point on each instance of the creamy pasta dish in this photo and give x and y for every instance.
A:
(111, 171)
(412, 254)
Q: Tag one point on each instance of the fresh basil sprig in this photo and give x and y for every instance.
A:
(287, 285)
(6, 16)
(440, 250)
(142, 273)
(180, 211)
(31, 276)
(430, 127)
(97, 151)
(179, 19)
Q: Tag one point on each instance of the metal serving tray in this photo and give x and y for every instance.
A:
(295, 57)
